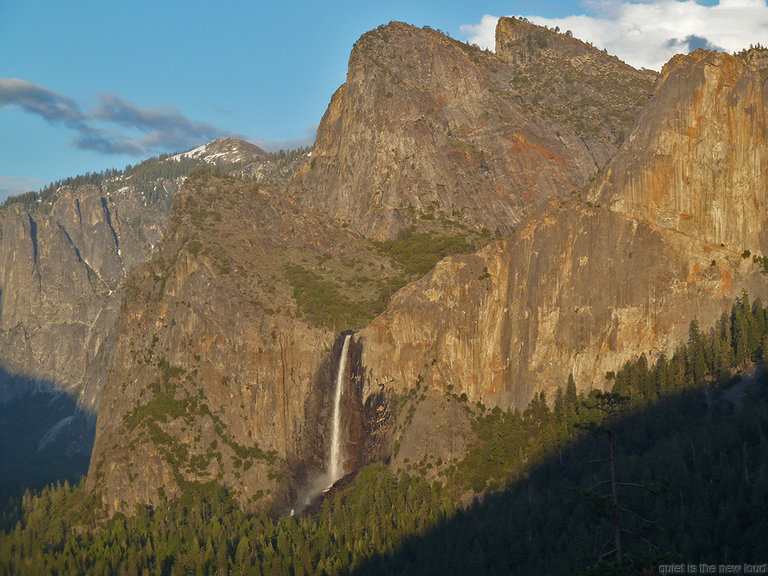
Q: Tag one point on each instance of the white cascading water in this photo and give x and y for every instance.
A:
(335, 462)
(334, 467)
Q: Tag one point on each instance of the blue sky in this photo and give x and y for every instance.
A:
(91, 85)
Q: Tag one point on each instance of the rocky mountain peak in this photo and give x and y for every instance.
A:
(425, 124)
(230, 150)
(219, 326)
(588, 283)
(519, 39)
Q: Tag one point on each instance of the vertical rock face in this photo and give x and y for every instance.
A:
(60, 275)
(425, 123)
(584, 287)
(20, 268)
(216, 377)
(64, 258)
(86, 219)
(579, 290)
(194, 336)
(223, 373)
(697, 161)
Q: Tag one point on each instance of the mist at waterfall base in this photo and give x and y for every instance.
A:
(334, 469)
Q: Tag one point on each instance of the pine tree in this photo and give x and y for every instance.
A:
(571, 400)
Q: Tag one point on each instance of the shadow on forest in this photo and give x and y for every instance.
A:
(45, 436)
(704, 456)
(694, 456)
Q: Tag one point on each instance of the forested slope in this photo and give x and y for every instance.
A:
(691, 447)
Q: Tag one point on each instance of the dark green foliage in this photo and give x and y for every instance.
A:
(600, 101)
(744, 52)
(30, 199)
(322, 301)
(347, 292)
(147, 176)
(418, 252)
(164, 403)
(204, 532)
(143, 177)
(695, 434)
(168, 401)
(285, 157)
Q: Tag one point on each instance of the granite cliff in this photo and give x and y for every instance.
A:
(218, 373)
(426, 124)
(696, 162)
(62, 265)
(64, 255)
(427, 133)
(612, 237)
(62, 262)
(585, 285)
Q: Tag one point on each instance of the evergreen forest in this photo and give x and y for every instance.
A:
(670, 467)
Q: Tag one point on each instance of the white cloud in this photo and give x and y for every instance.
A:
(276, 145)
(648, 34)
(482, 34)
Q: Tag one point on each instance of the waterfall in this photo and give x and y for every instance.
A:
(335, 458)
(334, 467)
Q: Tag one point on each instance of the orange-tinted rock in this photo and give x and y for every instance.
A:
(697, 161)
(583, 287)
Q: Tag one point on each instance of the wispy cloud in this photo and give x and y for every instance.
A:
(276, 145)
(114, 126)
(10, 186)
(648, 34)
(53, 107)
(165, 128)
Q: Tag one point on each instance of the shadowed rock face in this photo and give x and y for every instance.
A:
(427, 124)
(582, 287)
(63, 260)
(60, 273)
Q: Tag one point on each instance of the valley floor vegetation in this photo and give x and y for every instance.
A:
(690, 436)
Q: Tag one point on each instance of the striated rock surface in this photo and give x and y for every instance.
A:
(228, 345)
(218, 376)
(61, 270)
(64, 254)
(579, 290)
(697, 161)
(427, 124)
(583, 287)
(64, 257)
